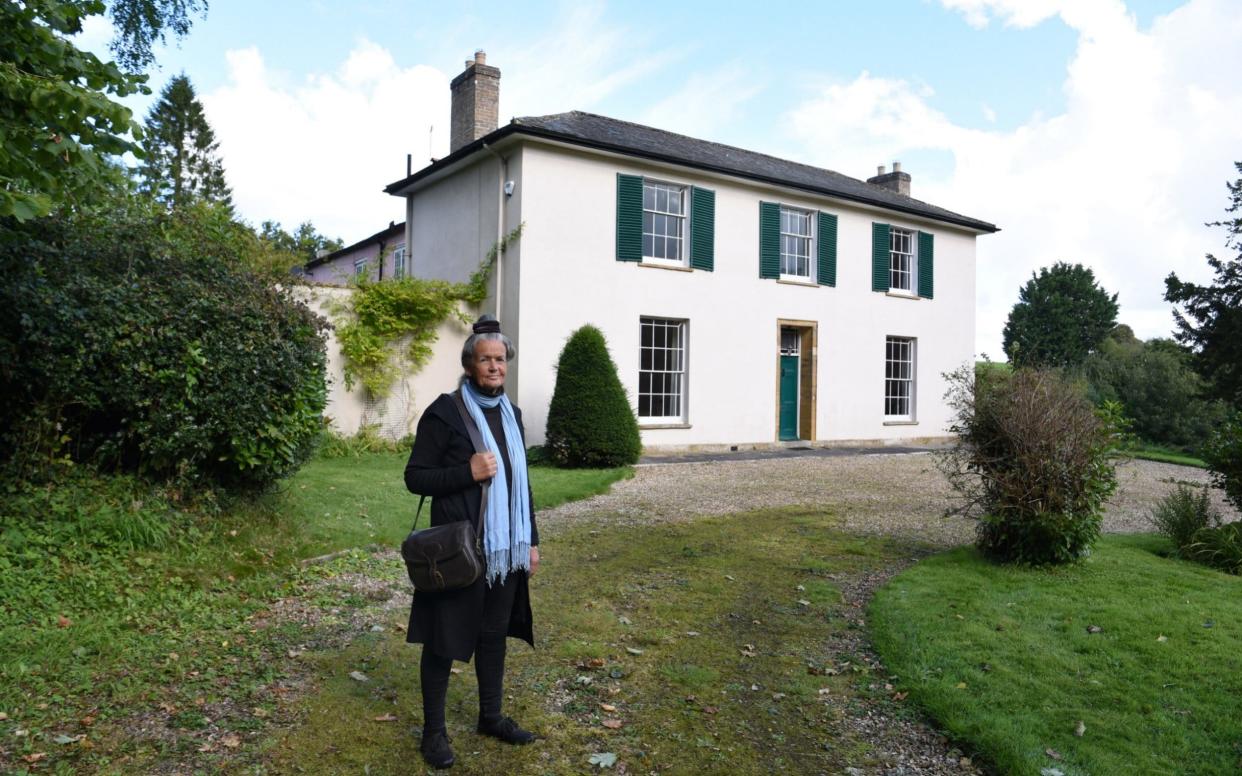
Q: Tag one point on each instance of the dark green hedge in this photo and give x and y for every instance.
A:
(590, 421)
(136, 340)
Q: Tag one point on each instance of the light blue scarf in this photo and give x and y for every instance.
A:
(506, 533)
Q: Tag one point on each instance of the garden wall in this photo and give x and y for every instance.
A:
(397, 414)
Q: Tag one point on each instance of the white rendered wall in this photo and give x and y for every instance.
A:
(398, 413)
(569, 276)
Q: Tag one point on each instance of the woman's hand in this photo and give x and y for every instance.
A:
(534, 561)
(483, 466)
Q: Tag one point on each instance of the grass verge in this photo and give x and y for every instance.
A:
(720, 646)
(1165, 455)
(117, 604)
(1007, 659)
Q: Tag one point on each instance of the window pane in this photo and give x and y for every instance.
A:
(662, 367)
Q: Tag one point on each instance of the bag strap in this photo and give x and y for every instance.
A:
(476, 441)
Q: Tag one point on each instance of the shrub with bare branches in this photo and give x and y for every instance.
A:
(1032, 462)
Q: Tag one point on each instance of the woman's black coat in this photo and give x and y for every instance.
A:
(439, 467)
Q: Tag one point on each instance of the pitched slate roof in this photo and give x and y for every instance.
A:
(603, 133)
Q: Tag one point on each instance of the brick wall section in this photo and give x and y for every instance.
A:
(476, 104)
(893, 181)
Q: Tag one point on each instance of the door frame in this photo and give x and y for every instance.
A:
(808, 378)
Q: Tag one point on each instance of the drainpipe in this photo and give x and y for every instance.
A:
(409, 220)
(500, 226)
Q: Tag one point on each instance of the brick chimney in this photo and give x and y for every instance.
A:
(896, 180)
(476, 101)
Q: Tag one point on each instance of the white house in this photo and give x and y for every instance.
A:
(747, 300)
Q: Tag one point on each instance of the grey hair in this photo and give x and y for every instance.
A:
(467, 348)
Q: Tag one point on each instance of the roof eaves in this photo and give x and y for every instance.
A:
(339, 252)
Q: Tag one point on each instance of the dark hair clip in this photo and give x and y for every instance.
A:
(487, 327)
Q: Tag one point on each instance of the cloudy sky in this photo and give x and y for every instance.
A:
(1090, 131)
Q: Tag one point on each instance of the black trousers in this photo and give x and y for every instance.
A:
(489, 661)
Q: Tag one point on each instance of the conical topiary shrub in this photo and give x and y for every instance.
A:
(590, 421)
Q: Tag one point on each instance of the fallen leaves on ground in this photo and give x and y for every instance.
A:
(603, 759)
(385, 718)
(612, 724)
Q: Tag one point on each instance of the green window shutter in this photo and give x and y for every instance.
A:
(927, 255)
(702, 228)
(827, 249)
(879, 257)
(629, 217)
(769, 240)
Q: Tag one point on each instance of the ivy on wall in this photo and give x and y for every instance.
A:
(387, 328)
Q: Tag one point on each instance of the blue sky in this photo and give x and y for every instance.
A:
(1089, 130)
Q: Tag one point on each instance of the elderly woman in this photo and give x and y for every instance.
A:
(475, 620)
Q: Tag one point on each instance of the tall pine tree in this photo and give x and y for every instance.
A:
(181, 162)
(1210, 318)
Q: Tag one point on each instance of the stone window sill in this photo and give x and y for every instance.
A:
(673, 267)
(902, 294)
(654, 426)
(901, 422)
(803, 283)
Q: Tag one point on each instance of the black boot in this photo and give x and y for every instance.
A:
(506, 730)
(436, 750)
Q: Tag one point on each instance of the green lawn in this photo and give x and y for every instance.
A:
(1152, 452)
(1002, 658)
(114, 602)
(721, 646)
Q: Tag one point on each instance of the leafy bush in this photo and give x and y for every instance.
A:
(1032, 462)
(1223, 454)
(1184, 512)
(1219, 547)
(1154, 382)
(366, 440)
(135, 340)
(590, 421)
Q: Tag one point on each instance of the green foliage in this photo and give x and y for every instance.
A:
(1184, 512)
(1002, 659)
(298, 247)
(1212, 320)
(365, 441)
(1062, 315)
(58, 119)
(1160, 391)
(590, 420)
(134, 339)
(1218, 546)
(140, 24)
(180, 161)
(1223, 454)
(380, 314)
(1033, 462)
(389, 326)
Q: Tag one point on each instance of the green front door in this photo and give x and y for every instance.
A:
(789, 398)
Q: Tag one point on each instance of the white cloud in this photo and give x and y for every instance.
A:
(1121, 181)
(706, 103)
(323, 149)
(574, 65)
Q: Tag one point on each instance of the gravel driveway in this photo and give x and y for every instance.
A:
(899, 495)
